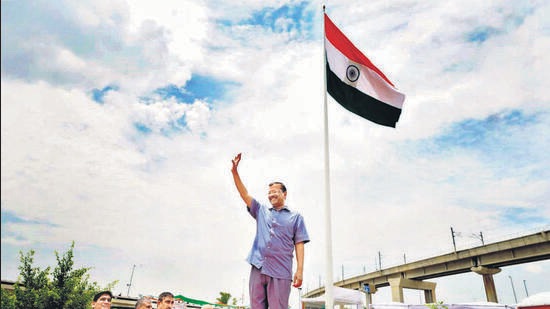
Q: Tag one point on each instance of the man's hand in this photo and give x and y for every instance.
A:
(297, 282)
(238, 182)
(236, 162)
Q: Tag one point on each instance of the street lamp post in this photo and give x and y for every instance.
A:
(513, 289)
(525, 286)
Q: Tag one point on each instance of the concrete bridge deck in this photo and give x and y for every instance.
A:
(485, 260)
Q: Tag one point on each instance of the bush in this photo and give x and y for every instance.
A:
(63, 288)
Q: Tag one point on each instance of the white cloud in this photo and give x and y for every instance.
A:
(166, 201)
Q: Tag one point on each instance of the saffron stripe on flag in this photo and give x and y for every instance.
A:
(346, 47)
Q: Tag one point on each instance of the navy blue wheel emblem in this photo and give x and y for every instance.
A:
(352, 73)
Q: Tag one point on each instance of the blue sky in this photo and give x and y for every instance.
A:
(120, 120)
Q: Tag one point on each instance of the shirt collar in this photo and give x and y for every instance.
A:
(284, 208)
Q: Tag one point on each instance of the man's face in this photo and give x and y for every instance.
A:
(104, 301)
(166, 303)
(276, 196)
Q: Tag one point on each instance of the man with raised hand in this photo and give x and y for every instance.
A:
(279, 233)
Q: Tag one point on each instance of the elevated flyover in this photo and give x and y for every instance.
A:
(484, 260)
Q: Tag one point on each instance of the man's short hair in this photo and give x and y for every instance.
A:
(163, 295)
(283, 187)
(143, 301)
(98, 295)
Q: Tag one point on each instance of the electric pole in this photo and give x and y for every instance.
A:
(513, 289)
(480, 237)
(242, 295)
(453, 235)
(131, 277)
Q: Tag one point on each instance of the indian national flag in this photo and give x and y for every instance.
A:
(355, 83)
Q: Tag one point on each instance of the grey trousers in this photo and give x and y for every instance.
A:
(268, 292)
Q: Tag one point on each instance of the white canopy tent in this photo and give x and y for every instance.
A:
(340, 295)
(536, 301)
(477, 305)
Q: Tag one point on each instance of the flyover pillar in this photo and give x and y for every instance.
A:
(488, 282)
(397, 285)
(368, 289)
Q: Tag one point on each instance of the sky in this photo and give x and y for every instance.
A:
(120, 119)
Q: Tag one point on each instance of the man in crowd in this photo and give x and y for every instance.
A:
(165, 301)
(144, 303)
(102, 300)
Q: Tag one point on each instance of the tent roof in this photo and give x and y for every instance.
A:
(478, 305)
(194, 301)
(341, 296)
(202, 302)
(536, 300)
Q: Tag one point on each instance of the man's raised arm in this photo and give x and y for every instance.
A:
(238, 182)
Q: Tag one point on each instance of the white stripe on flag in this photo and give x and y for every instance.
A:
(369, 82)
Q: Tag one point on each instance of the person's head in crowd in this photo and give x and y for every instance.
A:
(165, 301)
(102, 300)
(144, 303)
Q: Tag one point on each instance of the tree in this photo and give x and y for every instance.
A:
(8, 299)
(224, 298)
(67, 289)
(31, 286)
(438, 305)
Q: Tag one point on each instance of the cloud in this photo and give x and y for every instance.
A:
(120, 120)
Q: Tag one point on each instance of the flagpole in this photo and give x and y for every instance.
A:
(329, 299)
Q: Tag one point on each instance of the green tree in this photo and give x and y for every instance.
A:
(8, 299)
(438, 305)
(224, 298)
(68, 287)
(32, 285)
